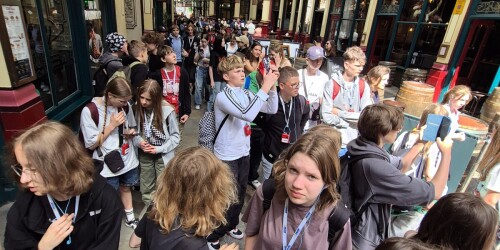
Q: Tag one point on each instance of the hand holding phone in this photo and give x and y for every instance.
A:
(436, 126)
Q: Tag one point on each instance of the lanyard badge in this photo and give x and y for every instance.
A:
(248, 130)
(285, 138)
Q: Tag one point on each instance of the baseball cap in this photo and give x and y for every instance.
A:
(315, 53)
(243, 39)
(161, 29)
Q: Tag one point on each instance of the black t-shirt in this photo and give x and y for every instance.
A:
(215, 58)
(155, 63)
(152, 238)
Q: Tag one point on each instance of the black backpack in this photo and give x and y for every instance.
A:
(336, 220)
(100, 79)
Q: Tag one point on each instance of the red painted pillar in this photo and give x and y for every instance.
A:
(20, 109)
(436, 77)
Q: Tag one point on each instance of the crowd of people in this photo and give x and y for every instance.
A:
(320, 134)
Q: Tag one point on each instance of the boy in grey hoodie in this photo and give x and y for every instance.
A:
(346, 95)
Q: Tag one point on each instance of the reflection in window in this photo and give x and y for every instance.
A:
(37, 52)
(51, 46)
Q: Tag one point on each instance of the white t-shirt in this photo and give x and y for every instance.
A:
(315, 86)
(492, 181)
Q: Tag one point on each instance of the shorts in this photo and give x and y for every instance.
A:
(128, 179)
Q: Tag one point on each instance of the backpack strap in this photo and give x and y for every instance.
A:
(361, 87)
(336, 89)
(337, 220)
(268, 189)
(220, 127)
(94, 113)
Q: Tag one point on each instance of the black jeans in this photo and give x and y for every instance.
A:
(256, 144)
(240, 171)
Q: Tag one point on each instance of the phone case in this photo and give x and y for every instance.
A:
(437, 126)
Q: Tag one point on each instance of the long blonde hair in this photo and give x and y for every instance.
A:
(457, 92)
(194, 192)
(491, 157)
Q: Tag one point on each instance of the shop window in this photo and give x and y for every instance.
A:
(352, 23)
(420, 32)
(52, 49)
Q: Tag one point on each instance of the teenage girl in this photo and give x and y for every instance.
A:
(306, 176)
(455, 99)
(193, 195)
(377, 79)
(158, 135)
(253, 58)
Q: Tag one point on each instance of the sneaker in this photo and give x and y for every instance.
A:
(197, 107)
(236, 233)
(215, 245)
(255, 184)
(133, 223)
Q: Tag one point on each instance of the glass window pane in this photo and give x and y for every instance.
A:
(358, 31)
(344, 35)
(363, 9)
(37, 52)
(411, 10)
(402, 43)
(430, 38)
(60, 47)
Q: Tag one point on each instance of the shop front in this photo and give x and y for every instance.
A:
(47, 60)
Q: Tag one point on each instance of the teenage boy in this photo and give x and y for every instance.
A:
(312, 81)
(153, 41)
(138, 69)
(380, 182)
(346, 95)
(244, 32)
(283, 128)
(175, 41)
(174, 81)
(243, 44)
(233, 143)
(191, 43)
(117, 45)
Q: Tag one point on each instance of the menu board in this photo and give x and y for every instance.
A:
(18, 40)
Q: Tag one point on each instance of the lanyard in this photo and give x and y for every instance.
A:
(284, 113)
(56, 209)
(168, 78)
(299, 229)
(147, 128)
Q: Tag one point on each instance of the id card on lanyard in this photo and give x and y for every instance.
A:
(285, 136)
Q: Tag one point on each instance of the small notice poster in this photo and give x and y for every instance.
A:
(18, 40)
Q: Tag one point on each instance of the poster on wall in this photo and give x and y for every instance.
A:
(130, 20)
(18, 41)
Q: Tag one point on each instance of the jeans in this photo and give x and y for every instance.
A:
(219, 86)
(201, 75)
(239, 167)
(127, 179)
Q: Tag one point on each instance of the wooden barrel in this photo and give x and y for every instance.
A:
(491, 106)
(299, 63)
(392, 67)
(396, 104)
(417, 96)
(414, 74)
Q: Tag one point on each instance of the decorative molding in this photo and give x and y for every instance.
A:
(389, 8)
(491, 7)
(130, 20)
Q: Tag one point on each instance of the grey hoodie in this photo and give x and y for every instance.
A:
(381, 184)
(344, 101)
(114, 64)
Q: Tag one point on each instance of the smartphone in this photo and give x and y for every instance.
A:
(267, 63)
(436, 126)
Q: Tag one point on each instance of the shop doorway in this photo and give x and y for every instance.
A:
(480, 59)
